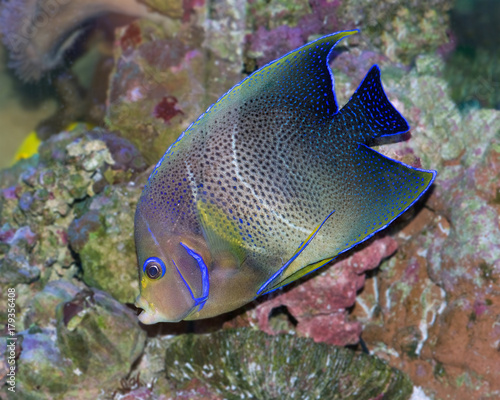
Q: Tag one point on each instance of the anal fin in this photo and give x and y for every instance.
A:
(299, 274)
(282, 274)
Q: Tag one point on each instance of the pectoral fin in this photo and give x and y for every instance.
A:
(220, 231)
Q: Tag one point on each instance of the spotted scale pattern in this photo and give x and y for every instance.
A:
(266, 164)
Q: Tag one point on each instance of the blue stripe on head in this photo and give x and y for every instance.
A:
(204, 277)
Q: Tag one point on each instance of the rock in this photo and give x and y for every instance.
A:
(46, 195)
(94, 330)
(14, 267)
(160, 86)
(42, 308)
(73, 334)
(399, 30)
(66, 358)
(435, 299)
(318, 307)
(42, 370)
(104, 239)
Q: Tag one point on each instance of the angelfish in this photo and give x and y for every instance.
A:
(272, 182)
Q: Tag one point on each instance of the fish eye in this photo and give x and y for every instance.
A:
(154, 268)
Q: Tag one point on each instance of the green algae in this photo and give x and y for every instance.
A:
(439, 370)
(93, 344)
(39, 200)
(107, 254)
(42, 368)
(273, 13)
(402, 30)
(473, 76)
(487, 272)
(169, 8)
(42, 308)
(246, 363)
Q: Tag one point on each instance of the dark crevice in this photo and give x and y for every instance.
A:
(280, 319)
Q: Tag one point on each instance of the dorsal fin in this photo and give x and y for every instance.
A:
(369, 113)
(300, 80)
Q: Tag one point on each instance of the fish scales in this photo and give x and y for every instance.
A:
(269, 184)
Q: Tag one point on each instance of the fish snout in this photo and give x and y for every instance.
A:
(149, 314)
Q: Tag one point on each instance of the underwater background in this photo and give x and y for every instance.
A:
(106, 92)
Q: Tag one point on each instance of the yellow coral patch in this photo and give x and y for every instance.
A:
(28, 147)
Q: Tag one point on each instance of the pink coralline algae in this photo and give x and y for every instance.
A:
(320, 305)
(166, 109)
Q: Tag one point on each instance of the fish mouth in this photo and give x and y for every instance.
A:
(150, 315)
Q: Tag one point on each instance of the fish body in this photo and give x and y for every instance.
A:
(272, 182)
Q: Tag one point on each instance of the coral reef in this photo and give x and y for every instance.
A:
(400, 30)
(436, 300)
(166, 83)
(62, 325)
(42, 197)
(431, 308)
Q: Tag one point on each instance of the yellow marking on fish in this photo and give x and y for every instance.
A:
(302, 272)
(71, 127)
(220, 229)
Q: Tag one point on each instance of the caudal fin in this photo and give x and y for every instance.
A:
(369, 113)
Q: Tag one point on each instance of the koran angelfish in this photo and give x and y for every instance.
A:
(272, 182)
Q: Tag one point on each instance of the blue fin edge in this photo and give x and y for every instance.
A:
(158, 164)
(297, 253)
(386, 97)
(431, 171)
